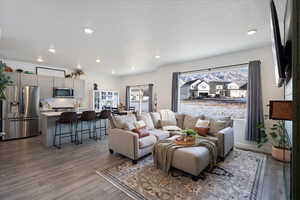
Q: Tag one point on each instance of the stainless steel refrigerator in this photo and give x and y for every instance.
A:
(20, 112)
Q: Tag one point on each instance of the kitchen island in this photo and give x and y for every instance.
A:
(48, 128)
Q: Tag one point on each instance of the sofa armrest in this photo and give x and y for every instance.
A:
(123, 142)
(225, 140)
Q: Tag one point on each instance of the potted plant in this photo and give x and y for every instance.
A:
(190, 134)
(276, 135)
(4, 81)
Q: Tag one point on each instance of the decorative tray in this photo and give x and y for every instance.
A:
(185, 141)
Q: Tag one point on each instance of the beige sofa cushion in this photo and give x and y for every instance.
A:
(159, 134)
(180, 119)
(146, 117)
(156, 118)
(147, 141)
(125, 122)
(190, 121)
(217, 124)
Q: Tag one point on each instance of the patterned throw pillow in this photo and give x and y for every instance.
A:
(139, 124)
(202, 127)
(142, 132)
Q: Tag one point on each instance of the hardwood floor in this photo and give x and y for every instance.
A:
(30, 171)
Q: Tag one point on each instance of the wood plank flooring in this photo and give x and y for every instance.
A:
(30, 171)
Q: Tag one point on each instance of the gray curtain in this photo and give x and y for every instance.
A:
(150, 98)
(127, 98)
(175, 92)
(254, 103)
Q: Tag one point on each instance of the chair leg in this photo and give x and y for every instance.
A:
(105, 130)
(71, 131)
(54, 137)
(81, 133)
(76, 134)
(59, 136)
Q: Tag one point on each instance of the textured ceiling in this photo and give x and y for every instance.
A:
(129, 33)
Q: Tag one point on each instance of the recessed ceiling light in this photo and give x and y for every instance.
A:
(251, 32)
(133, 68)
(88, 31)
(113, 72)
(157, 56)
(40, 59)
(51, 50)
(98, 60)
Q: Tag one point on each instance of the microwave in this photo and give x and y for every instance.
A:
(63, 92)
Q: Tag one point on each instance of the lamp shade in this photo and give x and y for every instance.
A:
(281, 110)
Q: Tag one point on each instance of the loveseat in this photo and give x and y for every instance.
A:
(126, 142)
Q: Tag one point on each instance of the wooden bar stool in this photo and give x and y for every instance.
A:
(103, 116)
(89, 118)
(66, 119)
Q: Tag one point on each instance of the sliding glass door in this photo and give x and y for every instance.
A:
(139, 98)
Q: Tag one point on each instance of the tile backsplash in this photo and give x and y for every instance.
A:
(59, 102)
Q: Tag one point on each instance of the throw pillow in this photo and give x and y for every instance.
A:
(155, 118)
(125, 121)
(167, 123)
(142, 132)
(139, 124)
(147, 119)
(202, 127)
(189, 121)
(171, 128)
(217, 125)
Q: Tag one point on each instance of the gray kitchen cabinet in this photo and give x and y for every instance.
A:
(79, 88)
(29, 79)
(14, 77)
(46, 86)
(59, 82)
(69, 83)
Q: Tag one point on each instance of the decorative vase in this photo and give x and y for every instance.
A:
(283, 155)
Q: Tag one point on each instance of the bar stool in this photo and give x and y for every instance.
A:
(89, 118)
(67, 119)
(104, 115)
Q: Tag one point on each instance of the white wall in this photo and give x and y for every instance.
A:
(162, 78)
(104, 81)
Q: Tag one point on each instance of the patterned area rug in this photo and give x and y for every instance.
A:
(238, 177)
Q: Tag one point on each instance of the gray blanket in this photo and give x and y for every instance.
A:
(163, 152)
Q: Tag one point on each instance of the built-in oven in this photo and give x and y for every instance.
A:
(63, 93)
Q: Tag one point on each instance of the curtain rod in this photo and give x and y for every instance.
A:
(213, 68)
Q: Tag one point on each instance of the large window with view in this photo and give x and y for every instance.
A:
(221, 92)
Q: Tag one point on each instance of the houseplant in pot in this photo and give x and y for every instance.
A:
(4, 81)
(276, 135)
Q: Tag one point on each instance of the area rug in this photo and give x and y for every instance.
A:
(238, 177)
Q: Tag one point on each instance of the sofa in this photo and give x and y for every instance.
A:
(122, 140)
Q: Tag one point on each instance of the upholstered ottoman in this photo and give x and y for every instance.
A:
(192, 160)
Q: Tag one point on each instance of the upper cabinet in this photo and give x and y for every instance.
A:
(47, 83)
(59, 82)
(46, 86)
(29, 80)
(69, 83)
(79, 88)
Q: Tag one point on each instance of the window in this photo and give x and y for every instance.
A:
(219, 87)
(221, 92)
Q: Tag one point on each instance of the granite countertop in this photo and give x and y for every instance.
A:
(56, 114)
